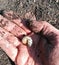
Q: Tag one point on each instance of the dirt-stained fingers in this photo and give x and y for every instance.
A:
(11, 27)
(15, 18)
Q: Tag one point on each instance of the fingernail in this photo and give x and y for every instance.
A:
(1, 12)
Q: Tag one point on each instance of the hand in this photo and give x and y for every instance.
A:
(44, 50)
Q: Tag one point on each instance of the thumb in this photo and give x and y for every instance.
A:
(44, 27)
(45, 30)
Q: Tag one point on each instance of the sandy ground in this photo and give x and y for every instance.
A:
(43, 9)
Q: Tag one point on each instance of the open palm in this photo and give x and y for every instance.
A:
(44, 50)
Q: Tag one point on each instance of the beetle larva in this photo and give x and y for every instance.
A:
(27, 41)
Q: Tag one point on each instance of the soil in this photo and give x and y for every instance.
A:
(47, 10)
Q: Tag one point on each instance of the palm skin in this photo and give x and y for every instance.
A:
(44, 50)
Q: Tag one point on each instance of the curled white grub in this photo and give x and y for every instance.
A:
(27, 41)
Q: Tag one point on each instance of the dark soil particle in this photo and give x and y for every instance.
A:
(43, 9)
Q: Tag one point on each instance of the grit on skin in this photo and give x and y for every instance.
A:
(36, 53)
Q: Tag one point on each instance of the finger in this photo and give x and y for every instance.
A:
(11, 27)
(9, 37)
(10, 50)
(24, 58)
(43, 26)
(14, 17)
(22, 55)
